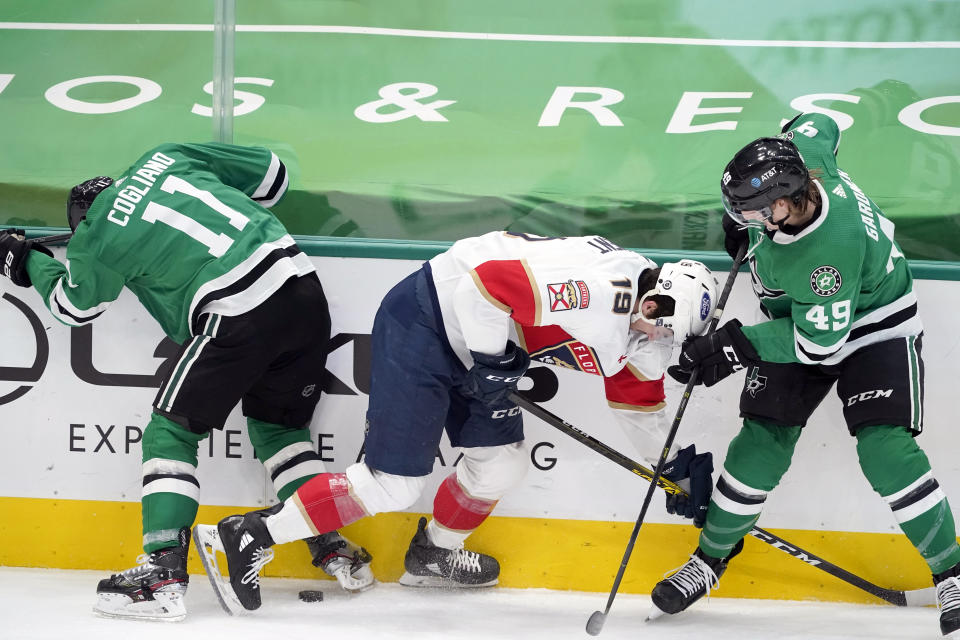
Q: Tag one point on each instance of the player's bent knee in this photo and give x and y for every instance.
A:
(380, 492)
(489, 472)
(890, 457)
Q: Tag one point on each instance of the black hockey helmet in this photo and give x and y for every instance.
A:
(759, 174)
(82, 196)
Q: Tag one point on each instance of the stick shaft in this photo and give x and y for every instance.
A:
(681, 408)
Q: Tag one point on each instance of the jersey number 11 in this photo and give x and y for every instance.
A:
(216, 243)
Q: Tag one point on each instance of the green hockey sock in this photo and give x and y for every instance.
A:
(899, 471)
(171, 492)
(287, 453)
(756, 460)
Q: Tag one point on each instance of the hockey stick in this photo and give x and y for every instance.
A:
(597, 618)
(913, 598)
(62, 237)
(54, 239)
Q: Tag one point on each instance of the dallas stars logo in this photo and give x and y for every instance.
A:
(825, 281)
(755, 382)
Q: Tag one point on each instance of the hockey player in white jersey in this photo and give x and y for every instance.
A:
(450, 342)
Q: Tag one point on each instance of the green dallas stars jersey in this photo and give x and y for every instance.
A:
(185, 229)
(841, 283)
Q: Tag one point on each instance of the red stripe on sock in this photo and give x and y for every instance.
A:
(327, 501)
(454, 509)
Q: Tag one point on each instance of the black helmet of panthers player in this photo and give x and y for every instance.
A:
(760, 173)
(82, 196)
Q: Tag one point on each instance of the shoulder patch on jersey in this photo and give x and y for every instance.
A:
(825, 281)
(572, 294)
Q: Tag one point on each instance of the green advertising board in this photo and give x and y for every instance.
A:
(433, 121)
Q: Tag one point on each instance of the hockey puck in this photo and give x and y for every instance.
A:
(309, 595)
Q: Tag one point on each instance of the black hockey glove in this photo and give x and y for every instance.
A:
(734, 236)
(14, 248)
(491, 378)
(718, 354)
(693, 472)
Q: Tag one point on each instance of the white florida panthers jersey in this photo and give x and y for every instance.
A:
(569, 302)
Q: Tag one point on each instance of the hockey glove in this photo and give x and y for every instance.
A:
(491, 378)
(14, 249)
(693, 472)
(717, 354)
(734, 236)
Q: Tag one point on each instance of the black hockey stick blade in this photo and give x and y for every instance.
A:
(912, 598)
(595, 622)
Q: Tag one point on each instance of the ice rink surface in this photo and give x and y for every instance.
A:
(49, 604)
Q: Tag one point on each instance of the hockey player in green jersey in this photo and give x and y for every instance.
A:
(841, 309)
(187, 230)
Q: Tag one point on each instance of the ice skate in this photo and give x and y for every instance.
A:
(430, 566)
(245, 542)
(152, 590)
(689, 583)
(948, 601)
(341, 559)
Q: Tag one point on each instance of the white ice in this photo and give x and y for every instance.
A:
(42, 604)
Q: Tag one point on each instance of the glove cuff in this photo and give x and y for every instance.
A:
(505, 362)
(678, 468)
(740, 341)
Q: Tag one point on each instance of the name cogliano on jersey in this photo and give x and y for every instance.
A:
(130, 195)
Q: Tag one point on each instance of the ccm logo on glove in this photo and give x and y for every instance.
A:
(716, 354)
(491, 378)
(503, 379)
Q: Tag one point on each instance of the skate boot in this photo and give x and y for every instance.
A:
(689, 583)
(948, 601)
(430, 566)
(343, 560)
(152, 590)
(246, 543)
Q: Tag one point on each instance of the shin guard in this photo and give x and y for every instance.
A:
(454, 509)
(328, 502)
(899, 471)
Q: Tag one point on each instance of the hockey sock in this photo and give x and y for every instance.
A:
(899, 471)
(171, 492)
(756, 460)
(290, 523)
(456, 514)
(287, 453)
(324, 503)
